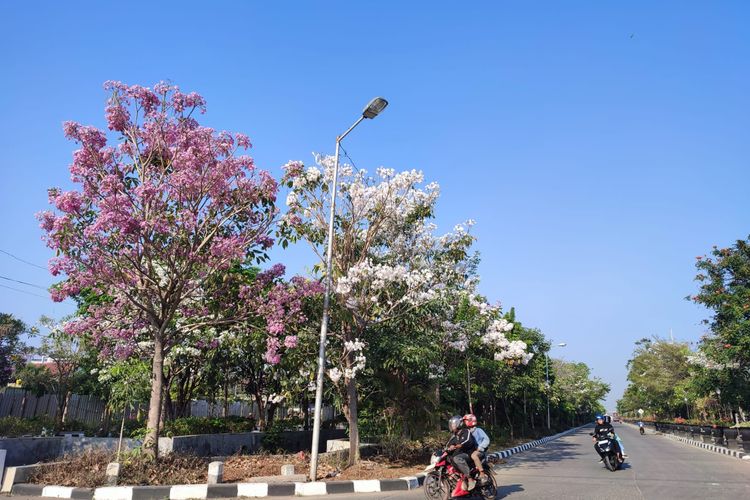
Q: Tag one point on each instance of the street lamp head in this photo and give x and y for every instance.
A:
(374, 108)
(562, 344)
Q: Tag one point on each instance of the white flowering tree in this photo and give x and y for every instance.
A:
(387, 260)
(470, 324)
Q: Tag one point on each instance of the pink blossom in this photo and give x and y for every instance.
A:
(167, 205)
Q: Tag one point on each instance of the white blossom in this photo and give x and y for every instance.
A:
(334, 374)
(291, 199)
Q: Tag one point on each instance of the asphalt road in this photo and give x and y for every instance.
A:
(568, 468)
(657, 469)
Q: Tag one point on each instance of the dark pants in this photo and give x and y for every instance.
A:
(461, 462)
(615, 445)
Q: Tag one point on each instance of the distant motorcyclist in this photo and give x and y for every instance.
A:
(461, 445)
(602, 431)
(483, 442)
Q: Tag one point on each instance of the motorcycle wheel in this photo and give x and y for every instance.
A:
(436, 488)
(611, 462)
(489, 489)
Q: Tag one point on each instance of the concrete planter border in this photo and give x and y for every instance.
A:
(723, 450)
(711, 447)
(233, 490)
(533, 444)
(250, 490)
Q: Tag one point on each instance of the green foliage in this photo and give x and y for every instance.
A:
(16, 427)
(658, 375)
(273, 438)
(399, 450)
(199, 425)
(36, 379)
(129, 382)
(724, 354)
(12, 349)
(724, 279)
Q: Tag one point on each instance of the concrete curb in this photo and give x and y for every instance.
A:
(250, 490)
(533, 444)
(710, 447)
(706, 446)
(233, 490)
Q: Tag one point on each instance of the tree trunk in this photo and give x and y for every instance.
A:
(523, 428)
(151, 443)
(507, 417)
(64, 407)
(350, 411)
(271, 413)
(261, 413)
(437, 405)
(306, 412)
(166, 403)
(226, 397)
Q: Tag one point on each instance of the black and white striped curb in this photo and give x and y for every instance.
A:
(249, 490)
(234, 490)
(533, 444)
(706, 446)
(710, 447)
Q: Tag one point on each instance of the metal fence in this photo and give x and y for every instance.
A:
(90, 410)
(729, 437)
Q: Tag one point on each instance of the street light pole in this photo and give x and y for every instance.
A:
(371, 111)
(718, 396)
(546, 371)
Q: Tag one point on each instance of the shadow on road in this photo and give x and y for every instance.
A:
(541, 456)
(508, 489)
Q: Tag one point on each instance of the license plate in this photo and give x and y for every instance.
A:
(604, 441)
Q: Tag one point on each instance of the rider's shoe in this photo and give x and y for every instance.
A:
(470, 484)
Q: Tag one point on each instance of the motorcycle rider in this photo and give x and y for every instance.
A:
(483, 442)
(461, 445)
(601, 431)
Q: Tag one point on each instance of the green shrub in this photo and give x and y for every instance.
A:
(188, 426)
(400, 450)
(273, 439)
(15, 426)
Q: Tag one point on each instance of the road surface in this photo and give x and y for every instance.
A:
(657, 469)
(568, 468)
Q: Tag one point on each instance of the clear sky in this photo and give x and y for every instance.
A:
(600, 146)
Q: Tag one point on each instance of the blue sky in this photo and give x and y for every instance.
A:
(600, 146)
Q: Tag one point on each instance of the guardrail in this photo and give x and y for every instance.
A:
(733, 438)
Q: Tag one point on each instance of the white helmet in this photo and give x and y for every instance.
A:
(455, 423)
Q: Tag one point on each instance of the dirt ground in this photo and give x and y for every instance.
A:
(368, 469)
(87, 470)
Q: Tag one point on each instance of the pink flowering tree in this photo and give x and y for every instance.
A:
(161, 206)
(387, 260)
(255, 347)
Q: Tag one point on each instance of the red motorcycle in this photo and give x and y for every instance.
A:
(445, 482)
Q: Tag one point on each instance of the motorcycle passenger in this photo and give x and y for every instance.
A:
(461, 445)
(483, 442)
(602, 431)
